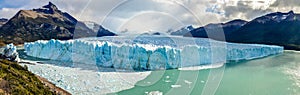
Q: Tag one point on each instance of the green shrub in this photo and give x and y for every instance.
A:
(21, 81)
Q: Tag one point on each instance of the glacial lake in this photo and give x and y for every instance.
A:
(273, 75)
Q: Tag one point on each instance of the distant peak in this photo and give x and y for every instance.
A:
(50, 3)
(3, 19)
(190, 27)
(236, 21)
(291, 12)
(50, 6)
(281, 13)
(48, 9)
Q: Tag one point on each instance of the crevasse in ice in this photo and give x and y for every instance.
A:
(147, 52)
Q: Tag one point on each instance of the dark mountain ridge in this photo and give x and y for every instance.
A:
(46, 23)
(216, 31)
(274, 29)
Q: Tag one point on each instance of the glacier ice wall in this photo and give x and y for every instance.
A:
(146, 53)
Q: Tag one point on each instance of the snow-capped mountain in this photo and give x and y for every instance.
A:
(46, 23)
(215, 29)
(183, 30)
(277, 17)
(274, 28)
(92, 25)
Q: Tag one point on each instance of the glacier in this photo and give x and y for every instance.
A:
(146, 52)
(9, 52)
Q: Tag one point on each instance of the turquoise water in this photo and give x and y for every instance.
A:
(274, 75)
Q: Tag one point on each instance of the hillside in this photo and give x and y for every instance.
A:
(46, 23)
(16, 80)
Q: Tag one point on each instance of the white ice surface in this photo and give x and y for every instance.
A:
(154, 93)
(147, 52)
(87, 82)
(10, 51)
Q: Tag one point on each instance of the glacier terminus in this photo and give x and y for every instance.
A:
(147, 52)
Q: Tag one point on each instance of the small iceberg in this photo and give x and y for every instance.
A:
(10, 53)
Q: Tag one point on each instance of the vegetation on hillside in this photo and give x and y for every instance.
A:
(17, 80)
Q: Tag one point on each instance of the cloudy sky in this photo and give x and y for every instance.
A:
(138, 16)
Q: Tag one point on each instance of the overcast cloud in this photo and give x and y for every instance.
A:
(138, 16)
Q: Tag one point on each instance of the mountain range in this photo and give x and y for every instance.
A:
(183, 30)
(47, 23)
(216, 31)
(274, 29)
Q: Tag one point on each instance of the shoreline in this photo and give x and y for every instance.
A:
(68, 79)
(45, 81)
(17, 79)
(52, 86)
